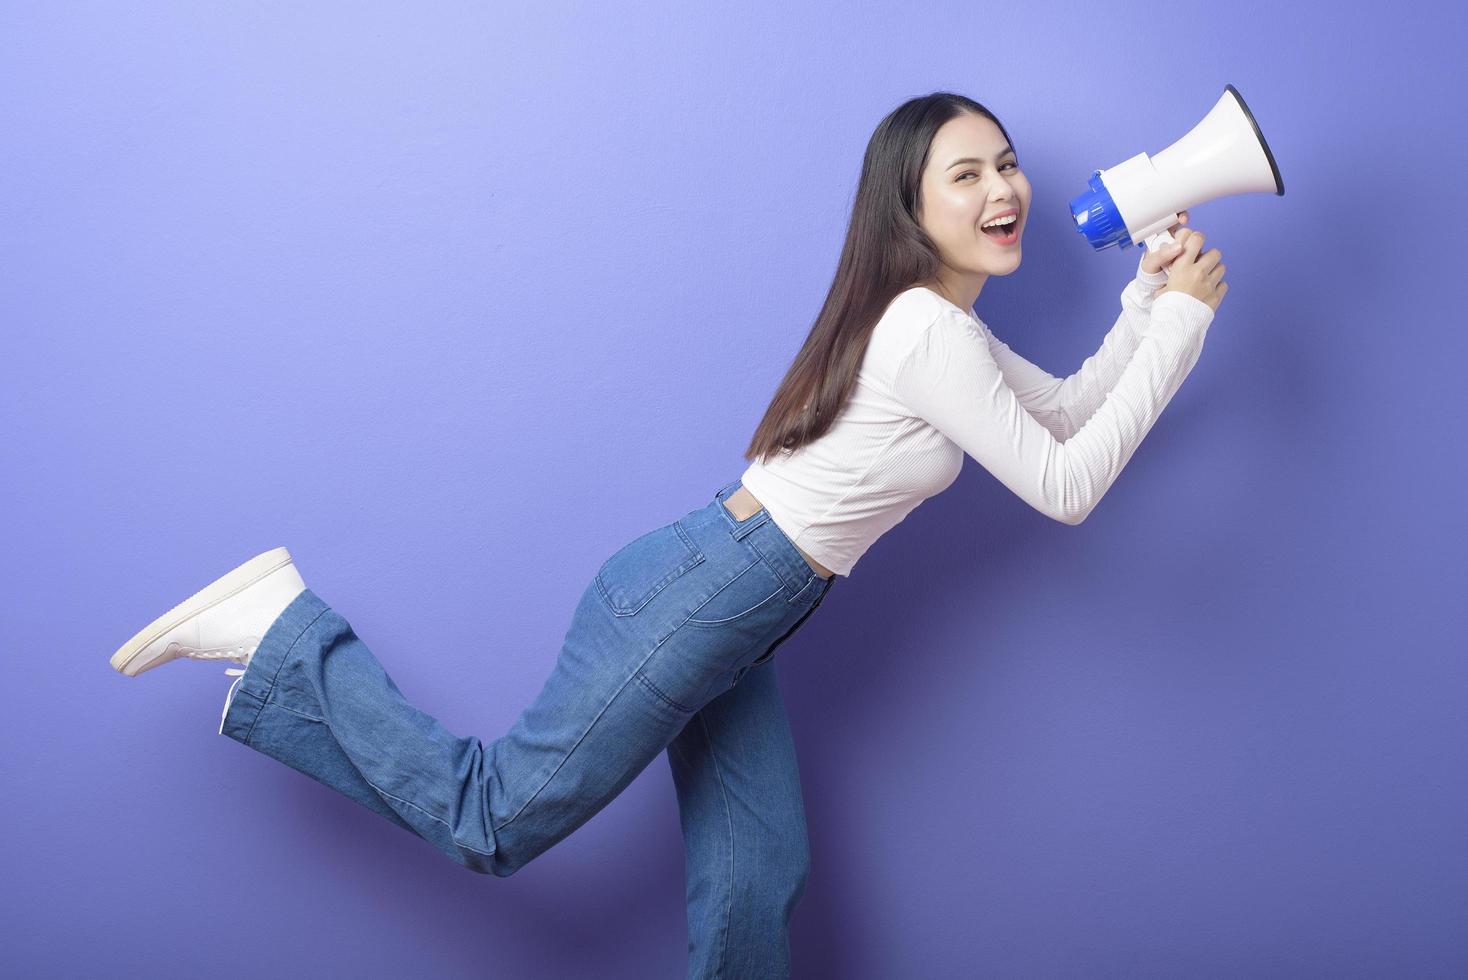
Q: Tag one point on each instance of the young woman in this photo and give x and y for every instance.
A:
(671, 643)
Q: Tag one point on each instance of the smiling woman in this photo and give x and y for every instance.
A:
(926, 165)
(898, 380)
(959, 197)
(670, 646)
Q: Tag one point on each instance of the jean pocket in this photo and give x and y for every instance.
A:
(645, 566)
(752, 590)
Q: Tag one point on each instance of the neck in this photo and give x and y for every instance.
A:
(960, 290)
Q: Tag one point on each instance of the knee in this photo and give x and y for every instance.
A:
(780, 871)
(799, 871)
(482, 862)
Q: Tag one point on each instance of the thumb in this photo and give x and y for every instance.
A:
(1161, 258)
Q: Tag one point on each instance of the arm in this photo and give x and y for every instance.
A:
(1062, 407)
(950, 380)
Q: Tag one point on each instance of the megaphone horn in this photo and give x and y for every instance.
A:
(1139, 199)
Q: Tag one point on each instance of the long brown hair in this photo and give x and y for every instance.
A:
(886, 251)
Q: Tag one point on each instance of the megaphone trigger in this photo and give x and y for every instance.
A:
(1160, 242)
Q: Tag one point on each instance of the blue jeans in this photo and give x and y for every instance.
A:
(669, 648)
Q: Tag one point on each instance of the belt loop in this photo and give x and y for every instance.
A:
(727, 490)
(743, 529)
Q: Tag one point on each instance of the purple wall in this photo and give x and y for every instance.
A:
(453, 303)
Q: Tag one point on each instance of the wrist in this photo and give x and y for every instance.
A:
(1153, 279)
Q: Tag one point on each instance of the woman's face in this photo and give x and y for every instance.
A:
(971, 177)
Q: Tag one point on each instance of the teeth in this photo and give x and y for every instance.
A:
(1000, 221)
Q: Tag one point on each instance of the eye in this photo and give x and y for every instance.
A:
(970, 173)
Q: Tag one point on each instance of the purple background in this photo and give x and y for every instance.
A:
(453, 302)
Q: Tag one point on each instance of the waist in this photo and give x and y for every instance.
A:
(743, 505)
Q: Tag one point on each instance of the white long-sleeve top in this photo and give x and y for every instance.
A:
(936, 384)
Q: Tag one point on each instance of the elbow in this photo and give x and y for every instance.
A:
(1073, 517)
(1065, 511)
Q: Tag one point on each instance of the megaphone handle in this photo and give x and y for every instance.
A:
(1159, 241)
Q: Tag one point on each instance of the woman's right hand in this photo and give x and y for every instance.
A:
(1200, 276)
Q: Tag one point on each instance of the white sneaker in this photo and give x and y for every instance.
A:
(225, 620)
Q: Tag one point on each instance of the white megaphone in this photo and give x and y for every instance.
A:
(1137, 200)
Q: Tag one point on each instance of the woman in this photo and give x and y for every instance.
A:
(670, 644)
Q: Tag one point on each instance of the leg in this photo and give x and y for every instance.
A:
(744, 830)
(315, 698)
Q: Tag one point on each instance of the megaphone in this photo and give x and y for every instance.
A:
(1137, 200)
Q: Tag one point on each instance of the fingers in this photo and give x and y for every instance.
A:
(1164, 258)
(1157, 259)
(1185, 237)
(1194, 245)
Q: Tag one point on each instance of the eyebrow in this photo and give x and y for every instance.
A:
(1007, 150)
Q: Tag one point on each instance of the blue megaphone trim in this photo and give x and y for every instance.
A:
(1096, 217)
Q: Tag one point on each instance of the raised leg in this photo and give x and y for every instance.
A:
(315, 698)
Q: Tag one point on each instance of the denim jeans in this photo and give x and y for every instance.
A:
(670, 648)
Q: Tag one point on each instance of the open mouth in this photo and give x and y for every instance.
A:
(1004, 235)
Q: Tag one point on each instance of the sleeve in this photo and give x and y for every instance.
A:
(1062, 407)
(950, 379)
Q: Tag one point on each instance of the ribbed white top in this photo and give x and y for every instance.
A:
(935, 384)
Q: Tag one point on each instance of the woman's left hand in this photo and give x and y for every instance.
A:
(1155, 262)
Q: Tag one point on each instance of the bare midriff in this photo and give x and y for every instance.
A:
(743, 505)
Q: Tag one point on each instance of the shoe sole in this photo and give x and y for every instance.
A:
(227, 585)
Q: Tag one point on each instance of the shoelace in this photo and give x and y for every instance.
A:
(243, 653)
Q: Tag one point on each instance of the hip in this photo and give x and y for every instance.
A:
(704, 598)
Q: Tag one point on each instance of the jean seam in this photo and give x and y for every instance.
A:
(299, 714)
(270, 688)
(729, 817)
(695, 558)
(431, 816)
(715, 623)
(582, 737)
(812, 581)
(410, 803)
(657, 692)
(390, 796)
(269, 694)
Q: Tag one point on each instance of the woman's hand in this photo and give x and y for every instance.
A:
(1155, 262)
(1200, 276)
